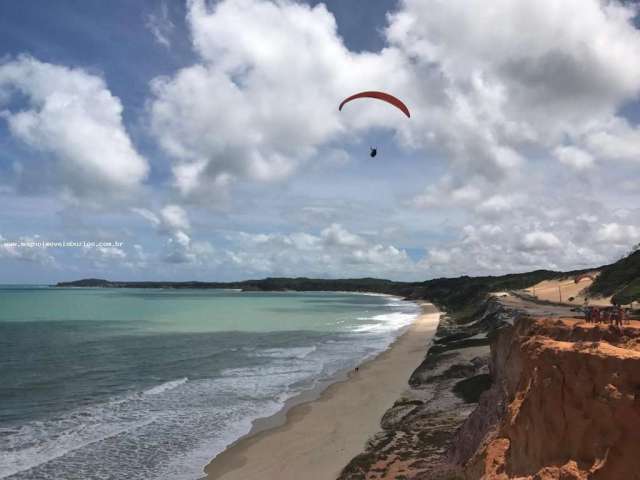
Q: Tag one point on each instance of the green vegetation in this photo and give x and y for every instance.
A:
(621, 279)
(630, 293)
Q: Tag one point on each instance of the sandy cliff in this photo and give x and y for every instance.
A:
(522, 390)
(564, 404)
(443, 391)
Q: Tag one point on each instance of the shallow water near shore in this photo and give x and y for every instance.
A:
(146, 384)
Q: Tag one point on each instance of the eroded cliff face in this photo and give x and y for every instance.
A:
(564, 404)
(418, 429)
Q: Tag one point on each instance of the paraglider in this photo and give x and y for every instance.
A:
(385, 97)
(583, 276)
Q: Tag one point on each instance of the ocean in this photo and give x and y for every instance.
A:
(152, 384)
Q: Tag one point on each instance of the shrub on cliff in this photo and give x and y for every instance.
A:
(621, 279)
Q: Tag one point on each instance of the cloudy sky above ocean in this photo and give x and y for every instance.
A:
(202, 140)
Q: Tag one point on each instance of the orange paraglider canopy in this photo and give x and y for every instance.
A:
(582, 277)
(396, 102)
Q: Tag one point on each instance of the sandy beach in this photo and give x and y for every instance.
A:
(318, 438)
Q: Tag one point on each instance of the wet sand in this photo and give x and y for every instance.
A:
(316, 439)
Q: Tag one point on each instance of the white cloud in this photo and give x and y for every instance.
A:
(574, 157)
(103, 257)
(531, 53)
(537, 241)
(617, 140)
(25, 248)
(336, 235)
(335, 252)
(160, 25)
(615, 233)
(147, 215)
(174, 217)
(483, 89)
(72, 115)
(172, 223)
(519, 76)
(170, 218)
(514, 102)
(264, 97)
(531, 238)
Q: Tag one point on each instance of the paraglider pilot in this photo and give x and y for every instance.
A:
(396, 102)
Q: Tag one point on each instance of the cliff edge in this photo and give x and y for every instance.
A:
(564, 404)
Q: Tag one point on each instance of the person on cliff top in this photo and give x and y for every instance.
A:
(588, 314)
(615, 316)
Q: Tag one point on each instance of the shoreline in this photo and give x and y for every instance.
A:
(320, 430)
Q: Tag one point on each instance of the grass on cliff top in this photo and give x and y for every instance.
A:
(462, 296)
(630, 293)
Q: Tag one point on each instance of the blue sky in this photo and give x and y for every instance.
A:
(201, 140)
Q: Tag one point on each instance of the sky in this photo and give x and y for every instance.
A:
(201, 140)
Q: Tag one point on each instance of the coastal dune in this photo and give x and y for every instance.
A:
(318, 438)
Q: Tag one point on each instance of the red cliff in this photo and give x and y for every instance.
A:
(565, 404)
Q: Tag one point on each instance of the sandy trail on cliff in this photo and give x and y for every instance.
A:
(319, 438)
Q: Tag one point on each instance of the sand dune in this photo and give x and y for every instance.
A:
(560, 291)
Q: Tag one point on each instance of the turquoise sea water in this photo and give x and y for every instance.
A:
(152, 384)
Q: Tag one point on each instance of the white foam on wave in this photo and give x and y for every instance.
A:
(158, 389)
(189, 465)
(41, 442)
(372, 294)
(292, 352)
(385, 323)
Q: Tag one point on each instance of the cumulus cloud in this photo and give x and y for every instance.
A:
(480, 94)
(615, 233)
(172, 223)
(531, 237)
(617, 140)
(574, 157)
(170, 218)
(174, 217)
(523, 76)
(515, 102)
(263, 98)
(336, 235)
(334, 252)
(72, 116)
(104, 257)
(546, 85)
(540, 241)
(538, 55)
